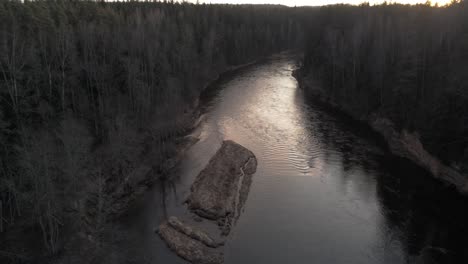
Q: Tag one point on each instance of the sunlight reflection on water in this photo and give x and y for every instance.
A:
(324, 191)
(287, 218)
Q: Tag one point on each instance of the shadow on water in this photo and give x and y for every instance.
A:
(326, 188)
(431, 217)
(425, 215)
(167, 188)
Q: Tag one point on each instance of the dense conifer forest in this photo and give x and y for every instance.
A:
(89, 90)
(406, 63)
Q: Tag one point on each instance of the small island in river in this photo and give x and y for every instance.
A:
(218, 194)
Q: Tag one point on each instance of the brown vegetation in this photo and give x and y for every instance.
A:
(219, 188)
(188, 247)
(218, 193)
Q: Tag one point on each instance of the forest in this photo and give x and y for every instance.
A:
(90, 89)
(405, 63)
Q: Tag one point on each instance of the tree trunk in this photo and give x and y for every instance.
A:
(1, 217)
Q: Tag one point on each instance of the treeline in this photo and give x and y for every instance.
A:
(86, 85)
(406, 63)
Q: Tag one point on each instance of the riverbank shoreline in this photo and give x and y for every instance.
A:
(403, 143)
(145, 175)
(78, 231)
(322, 178)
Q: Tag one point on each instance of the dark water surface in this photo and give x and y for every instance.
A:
(325, 190)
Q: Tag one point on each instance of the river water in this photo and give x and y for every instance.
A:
(325, 190)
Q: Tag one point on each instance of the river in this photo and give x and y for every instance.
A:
(325, 191)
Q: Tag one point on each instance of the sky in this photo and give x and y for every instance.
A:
(316, 2)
